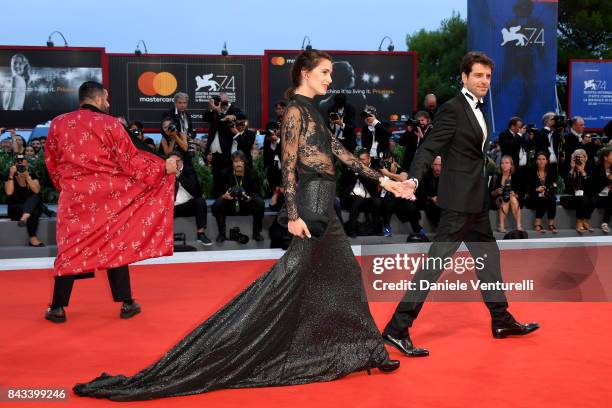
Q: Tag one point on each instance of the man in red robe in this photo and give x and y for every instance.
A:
(116, 201)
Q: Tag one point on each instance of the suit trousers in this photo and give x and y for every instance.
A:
(456, 227)
(118, 278)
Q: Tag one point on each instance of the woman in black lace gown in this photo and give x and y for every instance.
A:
(306, 319)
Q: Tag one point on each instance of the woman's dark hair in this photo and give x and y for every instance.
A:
(307, 60)
(136, 123)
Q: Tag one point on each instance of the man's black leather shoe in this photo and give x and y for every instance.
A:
(56, 315)
(405, 346)
(257, 237)
(514, 329)
(129, 310)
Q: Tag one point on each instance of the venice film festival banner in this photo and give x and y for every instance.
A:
(142, 87)
(382, 79)
(39, 83)
(590, 92)
(520, 37)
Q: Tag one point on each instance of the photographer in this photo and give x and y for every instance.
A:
(579, 185)
(340, 106)
(172, 140)
(188, 200)
(343, 131)
(137, 129)
(425, 125)
(180, 116)
(37, 145)
(602, 184)
(374, 136)
(361, 195)
(242, 137)
(240, 196)
(24, 205)
(549, 140)
(427, 193)
(411, 139)
(280, 108)
(504, 191)
(220, 114)
(542, 190)
(405, 210)
(272, 156)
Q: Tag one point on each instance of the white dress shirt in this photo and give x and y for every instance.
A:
(472, 100)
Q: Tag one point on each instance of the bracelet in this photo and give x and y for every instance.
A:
(415, 181)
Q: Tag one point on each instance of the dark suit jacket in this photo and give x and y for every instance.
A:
(349, 178)
(348, 140)
(245, 143)
(510, 145)
(410, 141)
(250, 182)
(457, 136)
(215, 124)
(542, 144)
(179, 124)
(189, 181)
(381, 135)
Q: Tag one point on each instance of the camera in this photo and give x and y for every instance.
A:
(367, 112)
(578, 160)
(171, 128)
(507, 188)
(560, 121)
(21, 168)
(334, 116)
(412, 122)
(238, 193)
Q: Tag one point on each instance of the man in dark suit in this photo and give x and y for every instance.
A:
(243, 138)
(510, 140)
(179, 114)
(374, 136)
(220, 114)
(548, 140)
(345, 132)
(460, 134)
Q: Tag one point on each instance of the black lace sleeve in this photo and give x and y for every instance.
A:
(351, 161)
(290, 137)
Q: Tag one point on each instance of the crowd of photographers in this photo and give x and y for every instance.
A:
(529, 167)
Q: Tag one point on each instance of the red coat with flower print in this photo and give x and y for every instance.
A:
(116, 201)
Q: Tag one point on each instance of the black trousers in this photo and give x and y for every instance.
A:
(605, 202)
(118, 278)
(32, 206)
(584, 205)
(255, 207)
(433, 213)
(456, 227)
(356, 204)
(196, 207)
(405, 210)
(545, 205)
(219, 163)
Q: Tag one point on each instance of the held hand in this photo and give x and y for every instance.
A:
(12, 171)
(540, 189)
(434, 200)
(408, 187)
(227, 196)
(230, 117)
(298, 228)
(419, 132)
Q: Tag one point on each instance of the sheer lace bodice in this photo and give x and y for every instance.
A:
(308, 146)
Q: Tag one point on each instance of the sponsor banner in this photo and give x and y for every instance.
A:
(384, 80)
(142, 87)
(590, 92)
(37, 84)
(520, 37)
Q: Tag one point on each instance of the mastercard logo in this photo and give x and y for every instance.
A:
(278, 61)
(160, 83)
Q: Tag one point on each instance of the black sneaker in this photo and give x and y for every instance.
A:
(55, 315)
(221, 237)
(203, 239)
(257, 237)
(129, 310)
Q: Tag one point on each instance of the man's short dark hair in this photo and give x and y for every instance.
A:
(475, 57)
(90, 90)
(280, 103)
(422, 114)
(513, 121)
(238, 154)
(136, 123)
(362, 151)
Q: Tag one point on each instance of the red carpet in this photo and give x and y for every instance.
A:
(568, 362)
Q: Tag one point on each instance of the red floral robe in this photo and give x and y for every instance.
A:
(116, 202)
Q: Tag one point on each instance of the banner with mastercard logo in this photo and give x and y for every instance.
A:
(142, 87)
(386, 80)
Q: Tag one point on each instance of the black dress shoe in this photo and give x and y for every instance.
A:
(39, 245)
(405, 346)
(55, 315)
(386, 366)
(129, 310)
(514, 329)
(258, 237)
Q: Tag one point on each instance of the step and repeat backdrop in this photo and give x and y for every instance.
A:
(384, 80)
(590, 91)
(39, 83)
(142, 87)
